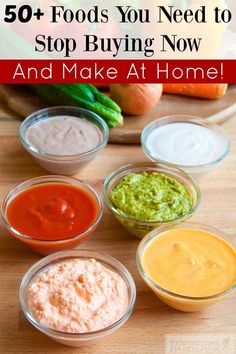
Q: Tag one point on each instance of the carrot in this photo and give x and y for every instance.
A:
(209, 91)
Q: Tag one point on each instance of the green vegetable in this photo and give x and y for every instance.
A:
(104, 99)
(82, 95)
(151, 197)
(14, 43)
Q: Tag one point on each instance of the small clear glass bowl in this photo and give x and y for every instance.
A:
(180, 302)
(57, 164)
(77, 339)
(45, 247)
(141, 228)
(196, 170)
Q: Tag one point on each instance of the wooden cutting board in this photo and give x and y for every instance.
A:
(23, 102)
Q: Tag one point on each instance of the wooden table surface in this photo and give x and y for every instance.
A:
(151, 320)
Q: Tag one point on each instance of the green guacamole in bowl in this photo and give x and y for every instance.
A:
(146, 195)
(151, 197)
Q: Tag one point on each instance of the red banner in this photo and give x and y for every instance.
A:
(119, 71)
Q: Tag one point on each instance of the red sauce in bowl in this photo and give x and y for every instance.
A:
(53, 212)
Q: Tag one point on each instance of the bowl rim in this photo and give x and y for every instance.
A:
(129, 167)
(39, 115)
(184, 118)
(32, 272)
(50, 180)
(158, 232)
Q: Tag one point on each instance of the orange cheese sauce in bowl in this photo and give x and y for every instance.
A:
(51, 213)
(188, 267)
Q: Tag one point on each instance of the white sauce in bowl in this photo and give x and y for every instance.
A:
(185, 144)
(64, 136)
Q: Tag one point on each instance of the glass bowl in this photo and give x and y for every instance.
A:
(45, 247)
(195, 170)
(77, 339)
(141, 228)
(57, 164)
(180, 302)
